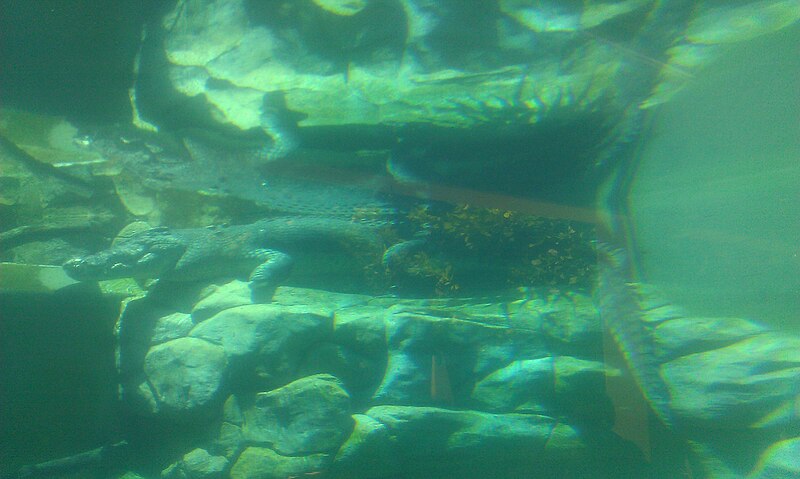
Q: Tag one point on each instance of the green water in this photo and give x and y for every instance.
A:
(713, 201)
(572, 241)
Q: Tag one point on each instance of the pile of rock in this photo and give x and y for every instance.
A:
(358, 386)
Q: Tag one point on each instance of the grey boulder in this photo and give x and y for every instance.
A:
(307, 416)
(186, 375)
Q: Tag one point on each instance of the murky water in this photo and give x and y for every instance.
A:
(400, 239)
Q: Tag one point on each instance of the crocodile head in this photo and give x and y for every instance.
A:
(147, 254)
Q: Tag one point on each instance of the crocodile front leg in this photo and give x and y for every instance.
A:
(274, 269)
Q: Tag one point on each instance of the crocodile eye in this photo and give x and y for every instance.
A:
(117, 266)
(83, 140)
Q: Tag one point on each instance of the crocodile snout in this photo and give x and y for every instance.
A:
(75, 268)
(91, 268)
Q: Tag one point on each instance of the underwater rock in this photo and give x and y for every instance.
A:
(359, 374)
(361, 328)
(466, 345)
(131, 475)
(265, 463)
(367, 452)
(460, 430)
(321, 301)
(464, 350)
(719, 25)
(434, 442)
(342, 7)
(137, 199)
(580, 391)
(736, 386)
(310, 415)
(46, 139)
(555, 16)
(526, 313)
(551, 385)
(780, 461)
(171, 326)
(380, 63)
(471, 443)
(186, 375)
(230, 440)
(197, 464)
(217, 298)
(528, 382)
(272, 338)
(30, 168)
(682, 336)
(201, 465)
(232, 411)
(279, 70)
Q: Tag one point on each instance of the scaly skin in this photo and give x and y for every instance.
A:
(261, 249)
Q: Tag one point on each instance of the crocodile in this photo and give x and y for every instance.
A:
(201, 162)
(263, 249)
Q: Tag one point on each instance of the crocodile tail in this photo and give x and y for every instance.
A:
(630, 312)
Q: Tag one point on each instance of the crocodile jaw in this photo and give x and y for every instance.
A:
(138, 257)
(97, 267)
